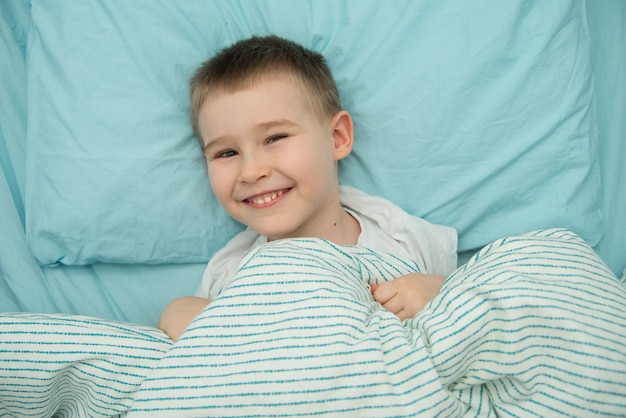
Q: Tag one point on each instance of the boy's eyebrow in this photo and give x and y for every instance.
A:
(212, 143)
(273, 123)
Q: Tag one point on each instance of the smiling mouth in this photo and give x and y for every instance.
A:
(266, 198)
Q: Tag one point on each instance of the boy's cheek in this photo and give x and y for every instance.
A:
(215, 175)
(218, 185)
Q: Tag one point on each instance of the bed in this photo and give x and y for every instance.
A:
(503, 120)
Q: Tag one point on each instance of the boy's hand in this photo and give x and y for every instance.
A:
(408, 294)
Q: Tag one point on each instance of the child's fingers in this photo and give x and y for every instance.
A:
(384, 292)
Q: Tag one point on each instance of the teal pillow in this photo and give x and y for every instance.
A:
(479, 116)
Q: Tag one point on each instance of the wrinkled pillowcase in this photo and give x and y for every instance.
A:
(474, 116)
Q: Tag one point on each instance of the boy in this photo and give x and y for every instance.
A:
(267, 114)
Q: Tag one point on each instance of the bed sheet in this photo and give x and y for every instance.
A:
(134, 293)
(112, 291)
(607, 27)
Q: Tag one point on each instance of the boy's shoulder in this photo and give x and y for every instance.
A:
(224, 263)
(434, 246)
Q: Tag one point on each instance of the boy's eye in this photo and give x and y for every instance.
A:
(224, 154)
(276, 138)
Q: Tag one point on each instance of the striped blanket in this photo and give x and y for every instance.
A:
(533, 325)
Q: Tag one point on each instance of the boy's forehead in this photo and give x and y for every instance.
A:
(280, 79)
(258, 105)
(274, 87)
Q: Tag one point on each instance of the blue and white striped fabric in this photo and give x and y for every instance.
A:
(73, 366)
(533, 325)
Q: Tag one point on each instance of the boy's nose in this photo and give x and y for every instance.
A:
(253, 169)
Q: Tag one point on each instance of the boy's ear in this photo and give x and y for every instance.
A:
(343, 134)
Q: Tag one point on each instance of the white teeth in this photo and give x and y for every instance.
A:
(267, 199)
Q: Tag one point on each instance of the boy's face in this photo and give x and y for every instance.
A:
(272, 160)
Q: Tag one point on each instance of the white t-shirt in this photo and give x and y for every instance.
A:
(384, 227)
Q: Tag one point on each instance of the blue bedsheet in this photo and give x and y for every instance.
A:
(138, 292)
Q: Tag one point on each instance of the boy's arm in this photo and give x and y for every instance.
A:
(408, 294)
(179, 313)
